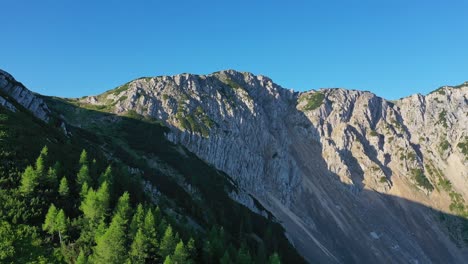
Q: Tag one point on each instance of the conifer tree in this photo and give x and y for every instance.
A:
(40, 163)
(51, 179)
(61, 224)
(29, 181)
(137, 220)
(226, 259)
(274, 259)
(123, 207)
(81, 258)
(149, 229)
(95, 204)
(106, 176)
(168, 260)
(84, 191)
(83, 158)
(191, 248)
(180, 253)
(83, 176)
(49, 223)
(55, 221)
(63, 190)
(139, 248)
(168, 243)
(110, 247)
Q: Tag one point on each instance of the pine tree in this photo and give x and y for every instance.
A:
(83, 176)
(81, 258)
(168, 243)
(50, 220)
(51, 179)
(84, 191)
(106, 176)
(55, 221)
(110, 247)
(40, 162)
(95, 204)
(191, 248)
(61, 224)
(168, 260)
(180, 254)
(63, 190)
(29, 181)
(123, 206)
(139, 248)
(226, 259)
(104, 197)
(137, 220)
(83, 158)
(274, 259)
(149, 229)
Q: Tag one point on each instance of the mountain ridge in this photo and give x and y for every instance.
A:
(334, 148)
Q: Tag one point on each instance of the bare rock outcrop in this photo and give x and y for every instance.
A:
(23, 96)
(351, 176)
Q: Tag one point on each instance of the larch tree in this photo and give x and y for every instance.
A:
(110, 247)
(63, 189)
(29, 181)
(137, 220)
(149, 229)
(168, 243)
(139, 248)
(180, 253)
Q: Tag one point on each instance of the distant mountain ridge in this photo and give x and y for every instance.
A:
(351, 176)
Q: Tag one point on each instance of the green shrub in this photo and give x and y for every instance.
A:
(463, 146)
(383, 179)
(443, 118)
(444, 145)
(421, 179)
(313, 100)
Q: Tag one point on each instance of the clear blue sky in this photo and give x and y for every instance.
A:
(391, 47)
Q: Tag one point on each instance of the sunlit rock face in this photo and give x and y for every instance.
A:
(351, 176)
(10, 87)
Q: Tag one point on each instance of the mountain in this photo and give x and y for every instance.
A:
(352, 177)
(87, 166)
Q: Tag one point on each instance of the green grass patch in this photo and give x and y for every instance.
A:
(421, 179)
(463, 146)
(313, 101)
(444, 145)
(443, 119)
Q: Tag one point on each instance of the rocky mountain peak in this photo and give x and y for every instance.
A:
(327, 150)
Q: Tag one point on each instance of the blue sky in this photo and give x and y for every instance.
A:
(393, 48)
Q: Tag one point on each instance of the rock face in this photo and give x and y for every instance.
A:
(351, 176)
(14, 89)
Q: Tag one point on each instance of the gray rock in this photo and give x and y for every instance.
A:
(322, 171)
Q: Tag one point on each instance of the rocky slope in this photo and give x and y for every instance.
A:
(10, 87)
(335, 166)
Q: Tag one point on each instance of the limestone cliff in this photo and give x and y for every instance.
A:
(345, 172)
(10, 87)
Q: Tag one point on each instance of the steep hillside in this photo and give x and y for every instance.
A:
(192, 196)
(351, 176)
